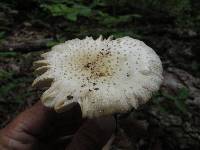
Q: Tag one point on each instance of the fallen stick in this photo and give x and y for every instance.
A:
(26, 46)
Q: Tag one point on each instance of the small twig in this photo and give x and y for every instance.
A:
(64, 138)
(27, 46)
(108, 145)
(116, 122)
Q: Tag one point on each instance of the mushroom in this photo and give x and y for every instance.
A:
(104, 76)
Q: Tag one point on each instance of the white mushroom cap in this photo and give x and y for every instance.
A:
(103, 76)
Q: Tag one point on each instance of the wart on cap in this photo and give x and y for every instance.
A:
(104, 76)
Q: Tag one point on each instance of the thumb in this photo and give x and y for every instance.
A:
(93, 134)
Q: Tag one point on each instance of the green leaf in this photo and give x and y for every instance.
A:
(109, 20)
(71, 13)
(180, 99)
(98, 3)
(168, 96)
(183, 94)
(83, 10)
(181, 105)
(162, 109)
(2, 35)
(72, 16)
(8, 54)
(51, 43)
(4, 90)
(55, 42)
(4, 75)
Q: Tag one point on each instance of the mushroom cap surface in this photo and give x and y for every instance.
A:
(104, 76)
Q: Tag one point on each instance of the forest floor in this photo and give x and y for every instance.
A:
(170, 120)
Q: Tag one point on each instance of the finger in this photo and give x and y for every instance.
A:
(19, 133)
(93, 135)
(37, 119)
(68, 120)
(65, 124)
(32, 119)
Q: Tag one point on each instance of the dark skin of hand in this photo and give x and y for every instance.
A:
(41, 128)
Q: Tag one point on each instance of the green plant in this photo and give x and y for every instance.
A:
(179, 99)
(2, 36)
(108, 20)
(55, 42)
(13, 85)
(4, 75)
(8, 54)
(69, 12)
(94, 11)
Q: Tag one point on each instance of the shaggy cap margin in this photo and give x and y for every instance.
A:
(104, 76)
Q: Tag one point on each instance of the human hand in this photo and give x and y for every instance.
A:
(40, 128)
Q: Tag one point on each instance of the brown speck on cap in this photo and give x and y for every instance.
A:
(107, 76)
